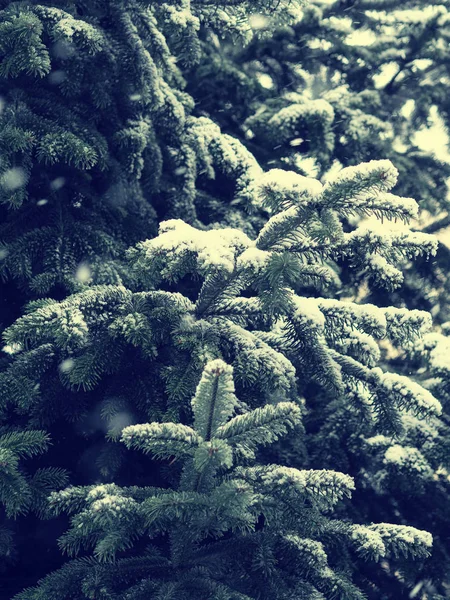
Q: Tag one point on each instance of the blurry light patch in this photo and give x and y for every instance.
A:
(416, 589)
(386, 73)
(42, 202)
(119, 422)
(265, 81)
(12, 348)
(116, 195)
(422, 63)
(135, 97)
(296, 142)
(66, 365)
(13, 179)
(361, 37)
(417, 15)
(444, 236)
(319, 44)
(63, 49)
(83, 273)
(308, 165)
(3, 253)
(407, 109)
(341, 24)
(332, 171)
(57, 77)
(399, 146)
(180, 171)
(57, 183)
(2, 104)
(258, 21)
(434, 139)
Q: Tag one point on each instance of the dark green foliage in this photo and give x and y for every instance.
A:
(96, 130)
(223, 387)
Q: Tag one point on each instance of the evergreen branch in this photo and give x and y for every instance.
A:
(25, 443)
(163, 440)
(214, 401)
(261, 426)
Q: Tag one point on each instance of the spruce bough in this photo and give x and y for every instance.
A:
(235, 530)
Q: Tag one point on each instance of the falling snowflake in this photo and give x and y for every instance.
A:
(83, 273)
(66, 365)
(13, 179)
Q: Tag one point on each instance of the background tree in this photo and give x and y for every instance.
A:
(352, 81)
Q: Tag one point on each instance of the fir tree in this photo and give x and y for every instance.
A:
(98, 140)
(276, 341)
